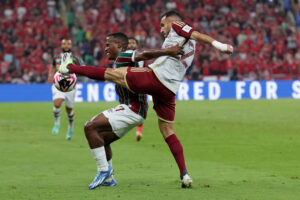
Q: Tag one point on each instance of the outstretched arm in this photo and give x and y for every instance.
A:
(188, 32)
(174, 51)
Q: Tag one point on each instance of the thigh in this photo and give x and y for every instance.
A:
(57, 102)
(164, 106)
(70, 99)
(142, 80)
(99, 122)
(56, 94)
(122, 119)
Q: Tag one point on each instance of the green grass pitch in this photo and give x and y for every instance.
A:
(233, 150)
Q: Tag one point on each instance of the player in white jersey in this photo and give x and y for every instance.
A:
(161, 79)
(132, 46)
(60, 97)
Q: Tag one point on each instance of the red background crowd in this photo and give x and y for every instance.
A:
(265, 35)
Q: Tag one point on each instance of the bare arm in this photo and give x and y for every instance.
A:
(155, 53)
(186, 31)
(202, 37)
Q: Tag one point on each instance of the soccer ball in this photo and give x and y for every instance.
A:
(64, 82)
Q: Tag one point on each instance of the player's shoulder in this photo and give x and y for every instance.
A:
(127, 53)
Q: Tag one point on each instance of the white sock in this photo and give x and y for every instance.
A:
(100, 157)
(56, 112)
(71, 120)
(110, 162)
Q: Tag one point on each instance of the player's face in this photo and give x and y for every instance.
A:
(111, 48)
(66, 45)
(165, 26)
(132, 45)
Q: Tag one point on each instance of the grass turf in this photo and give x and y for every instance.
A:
(233, 149)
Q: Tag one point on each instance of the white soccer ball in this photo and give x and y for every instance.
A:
(65, 82)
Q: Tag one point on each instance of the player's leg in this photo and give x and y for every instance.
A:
(58, 98)
(99, 134)
(167, 130)
(139, 134)
(56, 112)
(70, 114)
(107, 127)
(119, 76)
(108, 152)
(69, 101)
(99, 73)
(164, 106)
(110, 181)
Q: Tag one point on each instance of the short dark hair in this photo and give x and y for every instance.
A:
(172, 13)
(121, 37)
(133, 38)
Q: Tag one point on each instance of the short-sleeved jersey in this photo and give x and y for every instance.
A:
(139, 63)
(136, 102)
(169, 70)
(76, 59)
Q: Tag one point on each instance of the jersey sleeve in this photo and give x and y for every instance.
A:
(185, 31)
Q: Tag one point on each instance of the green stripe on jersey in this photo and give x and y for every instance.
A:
(124, 54)
(127, 64)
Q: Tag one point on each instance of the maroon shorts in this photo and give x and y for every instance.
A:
(144, 81)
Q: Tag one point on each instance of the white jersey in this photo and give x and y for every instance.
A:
(169, 70)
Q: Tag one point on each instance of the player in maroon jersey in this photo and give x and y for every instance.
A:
(161, 79)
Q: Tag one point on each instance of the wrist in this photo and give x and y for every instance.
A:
(219, 45)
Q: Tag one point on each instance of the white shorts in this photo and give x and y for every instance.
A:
(69, 97)
(122, 119)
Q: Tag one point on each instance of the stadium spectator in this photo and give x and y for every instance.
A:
(260, 29)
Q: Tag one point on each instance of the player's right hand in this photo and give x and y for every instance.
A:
(229, 49)
(176, 51)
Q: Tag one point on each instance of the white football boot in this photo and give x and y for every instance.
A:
(186, 181)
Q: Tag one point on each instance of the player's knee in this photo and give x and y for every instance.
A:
(88, 128)
(115, 76)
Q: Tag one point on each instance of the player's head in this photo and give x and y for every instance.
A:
(66, 45)
(114, 44)
(132, 43)
(166, 21)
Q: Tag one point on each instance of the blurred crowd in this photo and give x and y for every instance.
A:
(265, 34)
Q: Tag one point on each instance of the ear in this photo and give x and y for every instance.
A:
(119, 45)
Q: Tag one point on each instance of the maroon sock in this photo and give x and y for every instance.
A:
(96, 73)
(177, 151)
